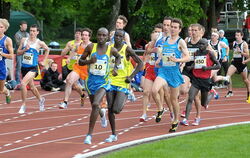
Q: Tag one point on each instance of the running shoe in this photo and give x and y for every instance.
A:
(104, 122)
(41, 104)
(159, 115)
(248, 100)
(82, 100)
(229, 94)
(131, 96)
(174, 127)
(22, 109)
(196, 122)
(8, 97)
(111, 138)
(215, 94)
(63, 105)
(53, 89)
(184, 122)
(88, 139)
(143, 118)
(183, 114)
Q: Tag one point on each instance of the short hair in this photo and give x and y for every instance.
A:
(159, 25)
(123, 18)
(239, 31)
(168, 18)
(23, 22)
(35, 26)
(88, 30)
(78, 30)
(120, 30)
(176, 20)
(197, 25)
(5, 23)
(53, 63)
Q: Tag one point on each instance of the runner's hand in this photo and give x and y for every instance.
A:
(128, 79)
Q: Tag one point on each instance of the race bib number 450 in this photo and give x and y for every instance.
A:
(166, 59)
(98, 68)
(28, 58)
(200, 61)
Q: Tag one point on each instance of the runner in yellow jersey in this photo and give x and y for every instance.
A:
(118, 93)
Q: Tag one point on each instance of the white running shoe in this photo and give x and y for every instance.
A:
(63, 105)
(22, 109)
(41, 104)
(111, 138)
(196, 121)
(88, 139)
(143, 118)
(104, 122)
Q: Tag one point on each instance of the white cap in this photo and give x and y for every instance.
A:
(221, 32)
(215, 34)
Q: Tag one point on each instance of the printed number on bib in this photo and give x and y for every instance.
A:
(237, 54)
(166, 59)
(200, 61)
(98, 68)
(28, 58)
(112, 64)
(152, 59)
(191, 53)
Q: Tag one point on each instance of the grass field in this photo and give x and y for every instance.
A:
(229, 142)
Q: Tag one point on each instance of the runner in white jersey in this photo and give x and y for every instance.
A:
(29, 48)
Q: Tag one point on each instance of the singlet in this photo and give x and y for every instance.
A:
(192, 48)
(30, 57)
(169, 50)
(123, 69)
(100, 69)
(217, 48)
(237, 57)
(74, 58)
(202, 60)
(4, 50)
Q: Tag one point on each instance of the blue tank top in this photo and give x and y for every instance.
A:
(100, 69)
(30, 57)
(167, 51)
(4, 50)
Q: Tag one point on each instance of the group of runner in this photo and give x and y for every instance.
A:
(172, 67)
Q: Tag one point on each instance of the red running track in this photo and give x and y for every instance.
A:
(60, 133)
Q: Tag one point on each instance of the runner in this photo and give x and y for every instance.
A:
(240, 54)
(174, 51)
(78, 72)
(204, 62)
(118, 93)
(98, 82)
(29, 48)
(6, 52)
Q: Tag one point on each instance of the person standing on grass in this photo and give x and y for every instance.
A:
(98, 81)
(174, 52)
(29, 48)
(18, 37)
(78, 72)
(6, 52)
(118, 93)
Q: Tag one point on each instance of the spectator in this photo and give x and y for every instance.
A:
(52, 79)
(18, 36)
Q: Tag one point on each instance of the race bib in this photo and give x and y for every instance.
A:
(120, 66)
(191, 53)
(166, 59)
(152, 59)
(28, 58)
(98, 68)
(237, 55)
(200, 61)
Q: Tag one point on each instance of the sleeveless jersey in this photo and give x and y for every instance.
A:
(30, 57)
(237, 57)
(74, 58)
(192, 48)
(217, 48)
(200, 61)
(169, 50)
(123, 69)
(4, 50)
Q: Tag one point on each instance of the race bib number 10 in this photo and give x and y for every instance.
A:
(166, 59)
(98, 68)
(200, 61)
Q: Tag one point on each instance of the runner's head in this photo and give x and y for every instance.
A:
(167, 24)
(121, 22)
(203, 43)
(34, 30)
(4, 25)
(239, 35)
(176, 26)
(86, 34)
(102, 35)
(78, 34)
(119, 36)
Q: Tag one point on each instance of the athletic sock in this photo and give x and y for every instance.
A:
(65, 102)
